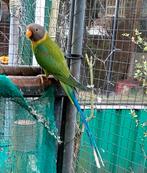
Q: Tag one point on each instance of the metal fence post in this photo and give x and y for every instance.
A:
(76, 50)
(110, 61)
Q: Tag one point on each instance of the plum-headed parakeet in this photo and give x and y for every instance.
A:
(50, 57)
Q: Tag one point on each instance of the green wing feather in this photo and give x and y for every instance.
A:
(72, 82)
(51, 59)
(68, 90)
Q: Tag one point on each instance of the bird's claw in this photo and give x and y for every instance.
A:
(42, 77)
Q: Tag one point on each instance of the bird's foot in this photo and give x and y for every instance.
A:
(42, 78)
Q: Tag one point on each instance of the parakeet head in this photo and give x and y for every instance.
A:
(35, 32)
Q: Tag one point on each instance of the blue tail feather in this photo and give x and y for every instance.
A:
(71, 94)
(89, 133)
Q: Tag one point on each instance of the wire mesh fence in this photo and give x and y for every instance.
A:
(115, 56)
(114, 65)
(23, 141)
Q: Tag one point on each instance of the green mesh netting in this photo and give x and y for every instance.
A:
(121, 139)
(22, 13)
(25, 52)
(26, 145)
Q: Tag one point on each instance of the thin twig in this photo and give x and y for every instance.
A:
(91, 62)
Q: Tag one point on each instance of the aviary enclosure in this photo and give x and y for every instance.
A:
(105, 44)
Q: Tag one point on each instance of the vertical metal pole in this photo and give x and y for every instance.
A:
(69, 41)
(39, 19)
(15, 6)
(110, 61)
(54, 19)
(77, 39)
(65, 99)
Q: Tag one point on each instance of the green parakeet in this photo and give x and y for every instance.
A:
(50, 57)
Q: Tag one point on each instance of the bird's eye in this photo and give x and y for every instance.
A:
(36, 29)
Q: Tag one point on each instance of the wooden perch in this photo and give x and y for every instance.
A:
(25, 77)
(21, 70)
(31, 81)
(32, 86)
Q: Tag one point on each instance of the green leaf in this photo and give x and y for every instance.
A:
(145, 48)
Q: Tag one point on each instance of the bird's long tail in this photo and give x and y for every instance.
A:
(71, 94)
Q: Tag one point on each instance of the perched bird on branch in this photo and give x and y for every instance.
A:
(50, 57)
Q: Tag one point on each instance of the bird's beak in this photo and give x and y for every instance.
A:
(28, 33)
